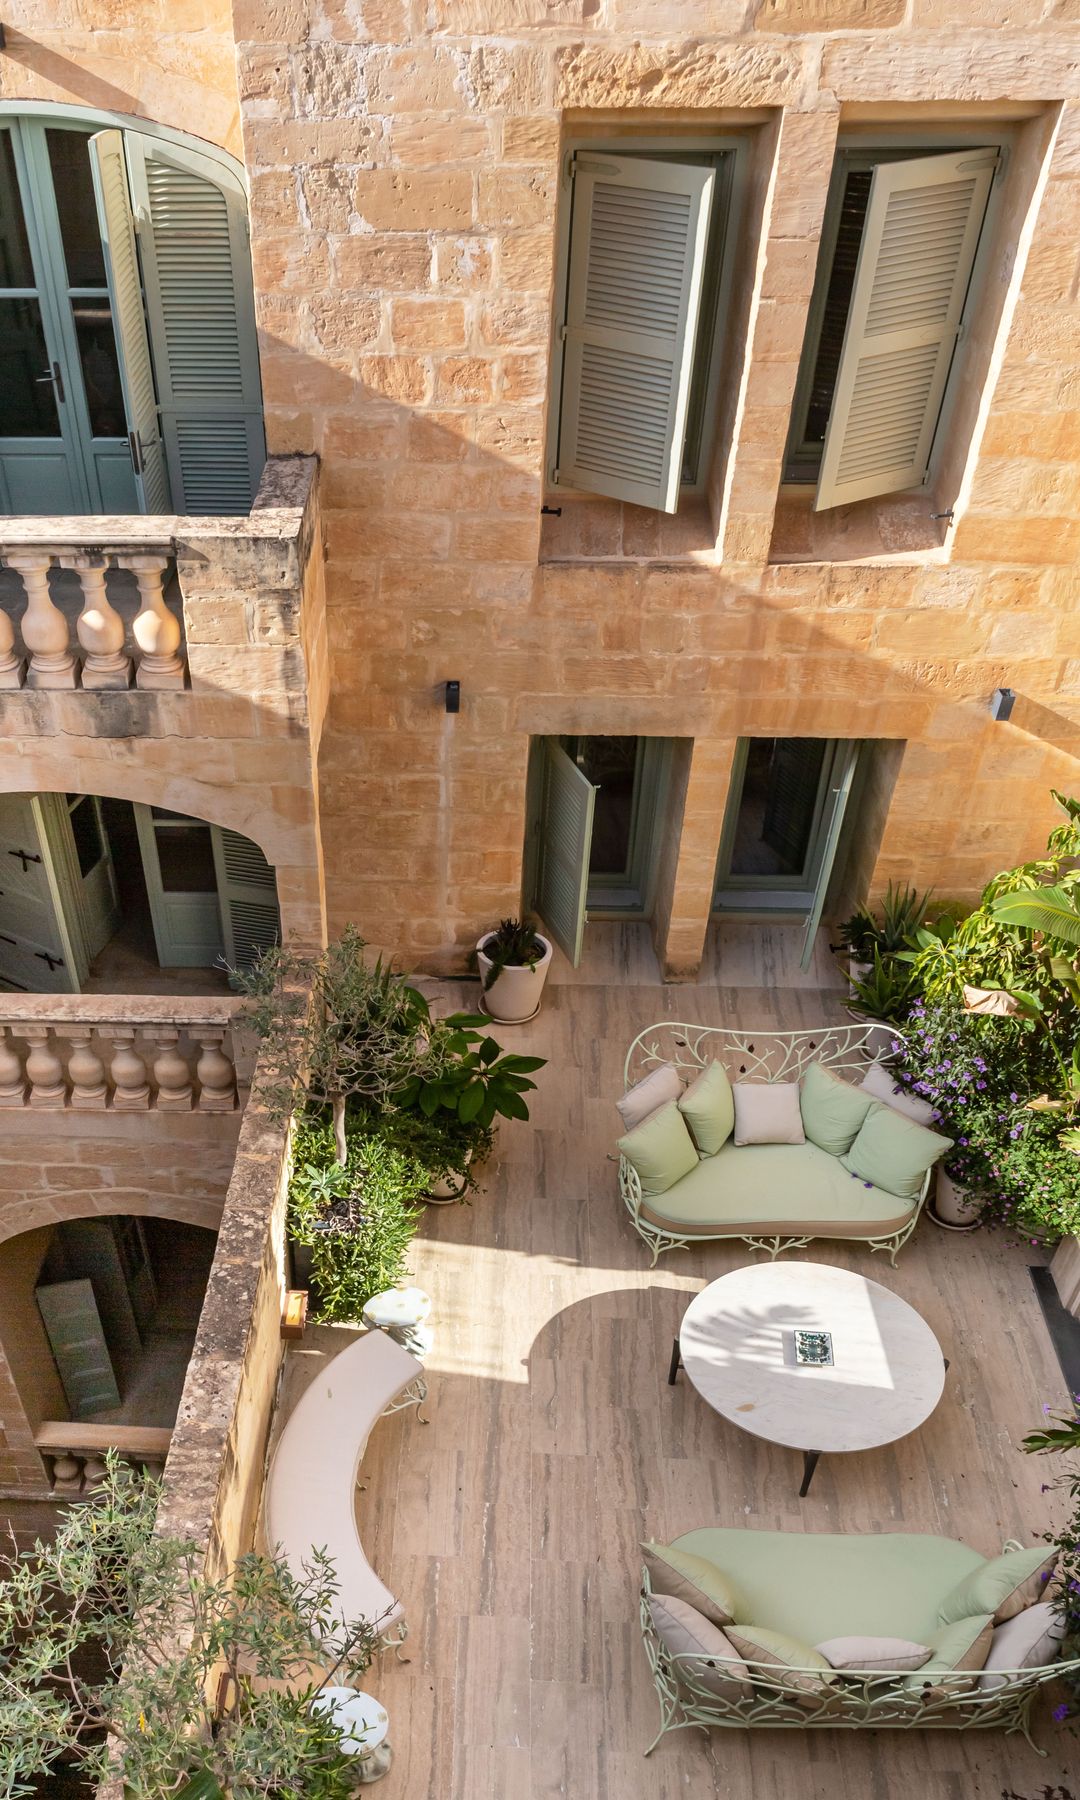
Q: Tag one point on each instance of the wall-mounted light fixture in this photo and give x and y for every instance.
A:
(1002, 702)
(452, 690)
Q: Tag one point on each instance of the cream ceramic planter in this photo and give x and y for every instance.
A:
(514, 995)
(451, 1187)
(952, 1207)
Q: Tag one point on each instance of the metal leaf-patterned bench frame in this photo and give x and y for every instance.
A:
(856, 1700)
(848, 1050)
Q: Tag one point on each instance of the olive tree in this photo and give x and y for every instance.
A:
(120, 1655)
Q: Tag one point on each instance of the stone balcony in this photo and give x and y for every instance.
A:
(177, 662)
(160, 602)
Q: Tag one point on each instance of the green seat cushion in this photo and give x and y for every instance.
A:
(1000, 1581)
(661, 1150)
(815, 1586)
(709, 1110)
(768, 1186)
(832, 1110)
(893, 1152)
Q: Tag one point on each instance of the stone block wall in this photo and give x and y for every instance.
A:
(404, 164)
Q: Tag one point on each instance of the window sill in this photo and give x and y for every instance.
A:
(598, 530)
(897, 528)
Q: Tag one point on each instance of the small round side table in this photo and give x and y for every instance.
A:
(402, 1314)
(363, 1723)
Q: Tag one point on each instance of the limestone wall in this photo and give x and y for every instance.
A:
(404, 188)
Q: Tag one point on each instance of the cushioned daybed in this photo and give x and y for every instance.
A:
(775, 1138)
(794, 1629)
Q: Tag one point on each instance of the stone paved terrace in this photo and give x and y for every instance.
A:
(510, 1524)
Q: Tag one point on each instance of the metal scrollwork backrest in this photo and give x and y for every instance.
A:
(848, 1050)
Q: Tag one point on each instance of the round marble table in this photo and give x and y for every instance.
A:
(737, 1344)
(363, 1723)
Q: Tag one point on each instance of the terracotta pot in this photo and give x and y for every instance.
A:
(952, 1206)
(514, 995)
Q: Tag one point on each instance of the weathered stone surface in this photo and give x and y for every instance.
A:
(794, 16)
(693, 74)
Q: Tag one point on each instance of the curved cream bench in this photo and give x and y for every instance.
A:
(311, 1486)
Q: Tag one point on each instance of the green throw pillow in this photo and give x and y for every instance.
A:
(893, 1152)
(832, 1110)
(959, 1648)
(709, 1110)
(661, 1150)
(992, 1587)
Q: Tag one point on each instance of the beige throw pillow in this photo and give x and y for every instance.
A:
(767, 1112)
(691, 1578)
(705, 1654)
(883, 1085)
(1029, 1640)
(653, 1090)
(874, 1655)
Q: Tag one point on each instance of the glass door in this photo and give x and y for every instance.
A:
(63, 428)
(781, 828)
(628, 774)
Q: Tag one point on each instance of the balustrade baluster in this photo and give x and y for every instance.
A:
(67, 1474)
(44, 627)
(48, 1086)
(131, 1090)
(89, 1090)
(95, 1470)
(171, 1073)
(12, 1080)
(217, 1077)
(156, 630)
(11, 663)
(99, 628)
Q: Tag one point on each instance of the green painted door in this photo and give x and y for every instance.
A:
(63, 423)
(69, 1313)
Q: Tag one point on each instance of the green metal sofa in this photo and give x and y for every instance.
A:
(813, 1588)
(771, 1196)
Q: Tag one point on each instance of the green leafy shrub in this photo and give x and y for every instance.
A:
(358, 1219)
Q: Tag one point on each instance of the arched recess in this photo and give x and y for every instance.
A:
(128, 280)
(115, 893)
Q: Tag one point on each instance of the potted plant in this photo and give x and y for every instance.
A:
(902, 909)
(954, 1207)
(448, 1148)
(513, 960)
(351, 1223)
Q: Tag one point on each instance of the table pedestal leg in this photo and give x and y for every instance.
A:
(809, 1464)
(676, 1360)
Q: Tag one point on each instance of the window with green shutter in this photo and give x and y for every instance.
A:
(896, 281)
(129, 372)
(642, 287)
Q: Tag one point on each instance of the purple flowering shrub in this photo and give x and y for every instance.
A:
(977, 1077)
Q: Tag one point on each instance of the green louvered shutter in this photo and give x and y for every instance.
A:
(567, 802)
(918, 245)
(637, 258)
(191, 218)
(247, 894)
(117, 228)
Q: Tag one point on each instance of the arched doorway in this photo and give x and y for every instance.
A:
(115, 896)
(129, 373)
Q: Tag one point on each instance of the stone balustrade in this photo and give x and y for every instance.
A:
(70, 632)
(122, 1054)
(74, 1454)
